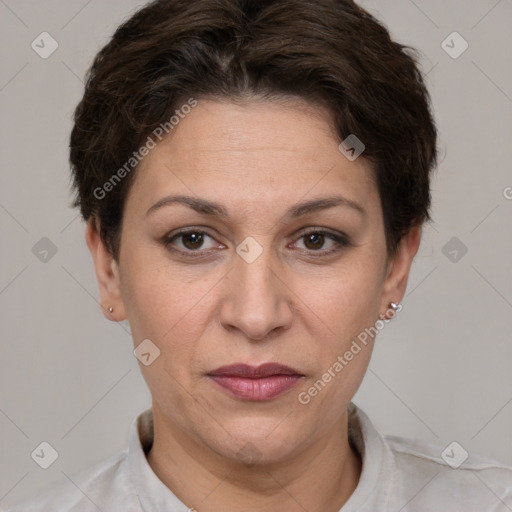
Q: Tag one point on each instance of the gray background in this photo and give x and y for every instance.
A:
(440, 372)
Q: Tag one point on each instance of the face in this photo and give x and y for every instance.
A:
(289, 266)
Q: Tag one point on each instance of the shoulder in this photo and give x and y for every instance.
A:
(429, 474)
(104, 486)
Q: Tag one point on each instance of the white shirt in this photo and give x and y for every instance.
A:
(398, 475)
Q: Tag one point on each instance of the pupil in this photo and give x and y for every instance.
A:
(317, 240)
(196, 240)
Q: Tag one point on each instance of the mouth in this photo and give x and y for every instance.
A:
(256, 383)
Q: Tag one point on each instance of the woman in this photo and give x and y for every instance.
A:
(254, 176)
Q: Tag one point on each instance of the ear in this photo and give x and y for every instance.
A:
(107, 273)
(398, 269)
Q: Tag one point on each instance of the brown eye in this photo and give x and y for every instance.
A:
(193, 242)
(314, 241)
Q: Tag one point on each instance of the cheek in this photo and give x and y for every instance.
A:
(165, 305)
(161, 308)
(349, 311)
(154, 298)
(348, 300)
(347, 305)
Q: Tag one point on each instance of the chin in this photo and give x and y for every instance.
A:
(260, 441)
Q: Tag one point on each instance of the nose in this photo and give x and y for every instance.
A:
(257, 302)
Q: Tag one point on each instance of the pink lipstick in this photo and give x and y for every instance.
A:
(256, 383)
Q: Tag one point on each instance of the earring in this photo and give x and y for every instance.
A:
(396, 307)
(110, 310)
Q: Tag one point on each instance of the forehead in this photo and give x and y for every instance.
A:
(262, 152)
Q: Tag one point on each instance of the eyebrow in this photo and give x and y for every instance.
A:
(206, 207)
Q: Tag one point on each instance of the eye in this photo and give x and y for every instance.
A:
(190, 241)
(193, 242)
(314, 241)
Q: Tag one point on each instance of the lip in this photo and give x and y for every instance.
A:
(254, 372)
(256, 383)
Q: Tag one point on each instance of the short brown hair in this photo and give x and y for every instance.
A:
(329, 52)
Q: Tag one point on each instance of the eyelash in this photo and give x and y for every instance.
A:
(341, 240)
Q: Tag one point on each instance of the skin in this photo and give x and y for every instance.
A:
(289, 306)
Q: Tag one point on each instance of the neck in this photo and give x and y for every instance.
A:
(320, 478)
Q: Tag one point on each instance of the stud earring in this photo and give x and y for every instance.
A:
(110, 310)
(395, 306)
